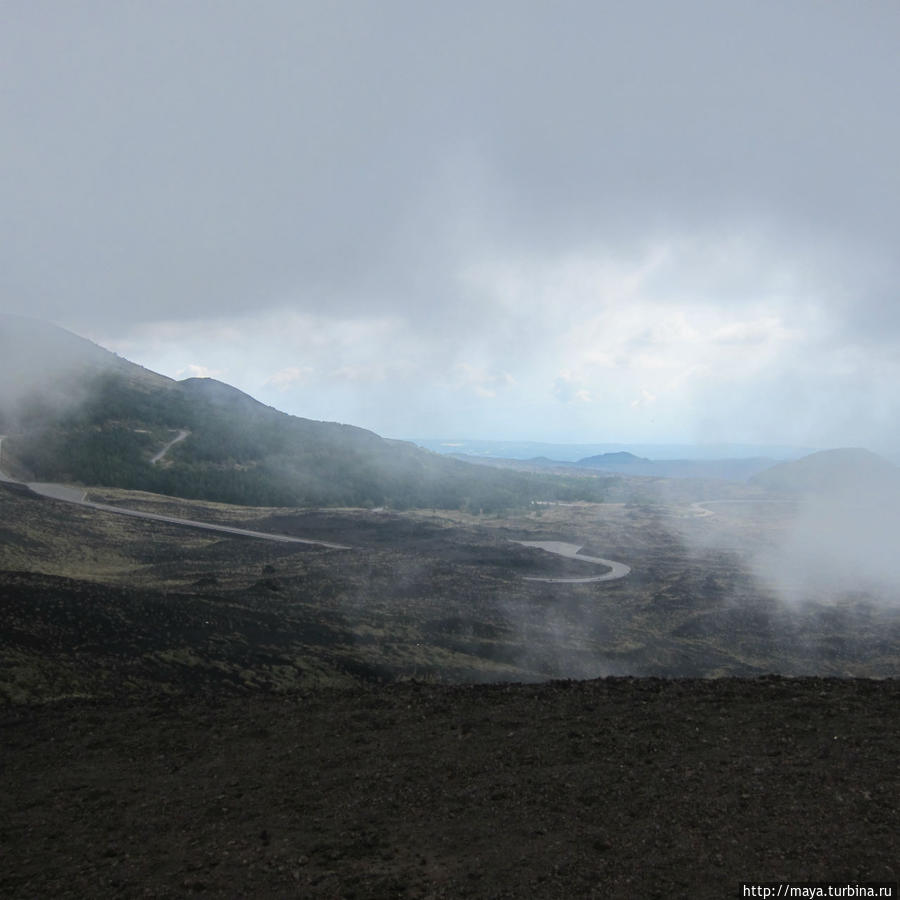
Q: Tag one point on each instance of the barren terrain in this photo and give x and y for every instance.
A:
(615, 788)
(435, 596)
(190, 712)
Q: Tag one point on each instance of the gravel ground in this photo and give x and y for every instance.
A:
(612, 788)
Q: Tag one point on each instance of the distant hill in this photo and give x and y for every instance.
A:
(612, 459)
(73, 411)
(841, 474)
(623, 462)
(571, 453)
(626, 463)
(728, 469)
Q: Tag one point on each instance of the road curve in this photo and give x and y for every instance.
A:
(570, 551)
(73, 494)
(181, 436)
(701, 508)
(206, 526)
(76, 495)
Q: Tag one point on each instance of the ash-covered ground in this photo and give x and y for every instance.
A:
(617, 787)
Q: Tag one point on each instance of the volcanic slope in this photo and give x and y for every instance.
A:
(617, 788)
(103, 605)
(843, 474)
(74, 412)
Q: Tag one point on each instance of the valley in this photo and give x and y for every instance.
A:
(339, 596)
(247, 654)
(187, 711)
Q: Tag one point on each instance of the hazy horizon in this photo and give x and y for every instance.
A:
(565, 451)
(577, 223)
(40, 353)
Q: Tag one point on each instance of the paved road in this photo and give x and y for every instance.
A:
(73, 494)
(701, 508)
(181, 436)
(570, 551)
(207, 526)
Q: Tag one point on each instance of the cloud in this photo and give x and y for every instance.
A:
(290, 376)
(371, 372)
(481, 381)
(759, 331)
(645, 399)
(568, 389)
(705, 210)
(194, 371)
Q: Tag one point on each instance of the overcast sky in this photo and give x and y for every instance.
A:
(583, 221)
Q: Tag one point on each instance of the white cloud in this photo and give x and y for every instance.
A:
(569, 389)
(194, 371)
(482, 381)
(645, 399)
(293, 193)
(370, 372)
(758, 331)
(592, 345)
(290, 376)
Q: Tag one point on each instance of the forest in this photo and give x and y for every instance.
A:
(241, 451)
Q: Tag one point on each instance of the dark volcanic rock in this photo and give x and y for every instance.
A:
(610, 788)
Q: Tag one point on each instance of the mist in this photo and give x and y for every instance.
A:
(44, 372)
(801, 565)
(265, 266)
(583, 224)
(829, 551)
(623, 225)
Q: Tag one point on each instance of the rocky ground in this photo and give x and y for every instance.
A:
(184, 713)
(107, 606)
(611, 788)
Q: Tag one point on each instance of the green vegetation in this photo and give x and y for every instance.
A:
(240, 451)
(96, 604)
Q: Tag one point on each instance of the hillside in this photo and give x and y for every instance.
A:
(847, 474)
(166, 690)
(74, 412)
(726, 469)
(631, 466)
(102, 605)
(620, 458)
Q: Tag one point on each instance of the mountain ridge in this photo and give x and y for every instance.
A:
(94, 418)
(844, 472)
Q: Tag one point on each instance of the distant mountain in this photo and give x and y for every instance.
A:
(844, 473)
(621, 458)
(74, 412)
(728, 469)
(623, 462)
(626, 463)
(570, 453)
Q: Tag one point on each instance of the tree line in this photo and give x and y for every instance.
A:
(242, 452)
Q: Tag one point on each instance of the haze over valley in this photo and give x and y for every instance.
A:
(448, 450)
(249, 613)
(478, 570)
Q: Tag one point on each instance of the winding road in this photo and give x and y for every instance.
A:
(73, 494)
(191, 523)
(701, 508)
(181, 436)
(570, 551)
